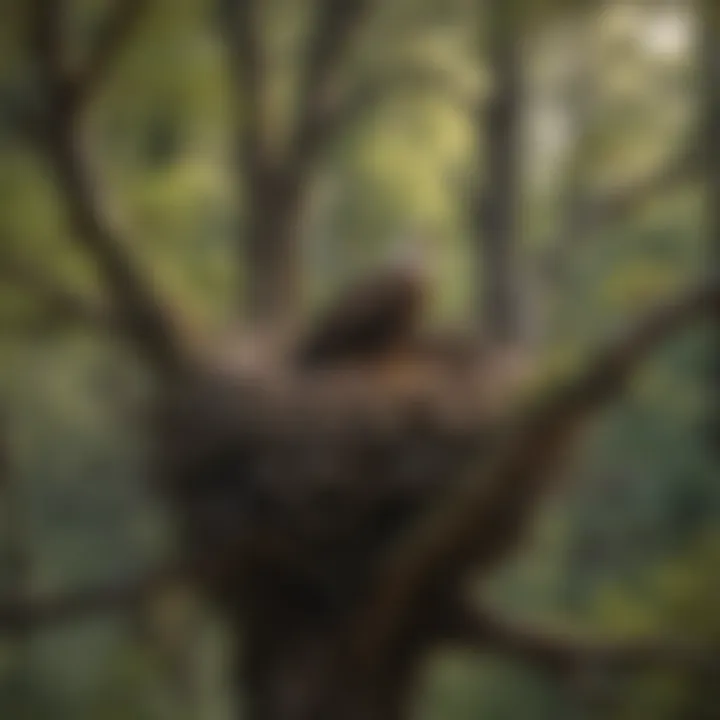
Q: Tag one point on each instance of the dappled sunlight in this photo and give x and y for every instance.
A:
(358, 359)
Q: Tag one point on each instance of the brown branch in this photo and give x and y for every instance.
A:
(46, 22)
(240, 25)
(59, 304)
(40, 323)
(562, 652)
(485, 519)
(109, 46)
(23, 615)
(337, 24)
(79, 89)
(148, 323)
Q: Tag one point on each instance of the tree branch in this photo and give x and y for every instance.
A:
(484, 520)
(60, 304)
(22, 615)
(109, 46)
(242, 33)
(622, 202)
(337, 23)
(561, 652)
(148, 323)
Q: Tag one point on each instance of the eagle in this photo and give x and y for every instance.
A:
(375, 318)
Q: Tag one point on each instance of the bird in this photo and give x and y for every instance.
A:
(376, 316)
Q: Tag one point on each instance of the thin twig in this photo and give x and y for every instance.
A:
(18, 615)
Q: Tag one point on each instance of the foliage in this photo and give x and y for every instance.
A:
(644, 490)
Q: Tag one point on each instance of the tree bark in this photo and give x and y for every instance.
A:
(710, 142)
(498, 274)
(272, 246)
(295, 660)
(302, 654)
(146, 319)
(276, 174)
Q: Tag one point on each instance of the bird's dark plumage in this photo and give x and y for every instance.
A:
(368, 322)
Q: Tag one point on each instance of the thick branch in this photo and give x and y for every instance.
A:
(22, 615)
(147, 321)
(47, 17)
(240, 25)
(485, 519)
(559, 651)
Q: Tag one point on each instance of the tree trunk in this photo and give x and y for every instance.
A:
(499, 228)
(295, 661)
(710, 140)
(271, 255)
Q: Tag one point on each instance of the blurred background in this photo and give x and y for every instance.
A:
(560, 155)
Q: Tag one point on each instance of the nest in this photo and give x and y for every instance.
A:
(315, 474)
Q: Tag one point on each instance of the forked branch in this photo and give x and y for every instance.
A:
(336, 26)
(108, 47)
(484, 520)
(147, 322)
